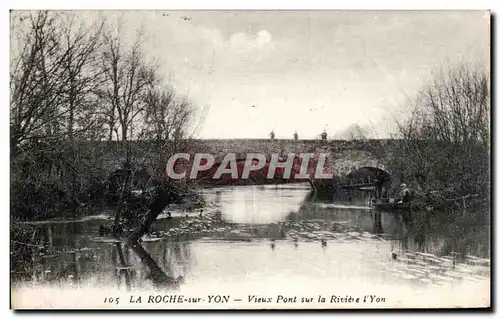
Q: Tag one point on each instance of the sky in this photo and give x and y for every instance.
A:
(250, 72)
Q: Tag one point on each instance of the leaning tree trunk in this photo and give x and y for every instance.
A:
(163, 198)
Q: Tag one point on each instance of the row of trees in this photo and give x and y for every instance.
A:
(443, 151)
(85, 100)
(75, 84)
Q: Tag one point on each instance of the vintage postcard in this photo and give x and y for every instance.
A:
(250, 159)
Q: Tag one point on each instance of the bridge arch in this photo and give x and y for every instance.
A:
(368, 174)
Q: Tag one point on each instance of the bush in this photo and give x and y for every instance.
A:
(445, 144)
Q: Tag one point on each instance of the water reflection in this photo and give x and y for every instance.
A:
(264, 217)
(258, 204)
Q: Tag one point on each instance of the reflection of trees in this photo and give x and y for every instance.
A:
(176, 258)
(123, 269)
(444, 233)
(62, 255)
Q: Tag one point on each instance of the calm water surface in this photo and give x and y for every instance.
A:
(218, 264)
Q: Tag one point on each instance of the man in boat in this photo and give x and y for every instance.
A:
(406, 194)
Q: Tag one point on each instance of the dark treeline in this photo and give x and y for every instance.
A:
(74, 85)
(445, 144)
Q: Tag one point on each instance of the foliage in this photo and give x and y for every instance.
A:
(445, 144)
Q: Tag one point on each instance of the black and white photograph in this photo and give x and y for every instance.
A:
(250, 159)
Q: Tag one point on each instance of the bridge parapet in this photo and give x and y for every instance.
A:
(344, 156)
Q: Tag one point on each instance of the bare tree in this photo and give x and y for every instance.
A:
(272, 135)
(36, 85)
(165, 115)
(73, 85)
(52, 78)
(127, 77)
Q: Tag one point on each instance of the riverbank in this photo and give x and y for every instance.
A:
(283, 226)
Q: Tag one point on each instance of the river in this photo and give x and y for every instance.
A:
(275, 240)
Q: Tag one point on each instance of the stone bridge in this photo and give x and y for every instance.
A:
(345, 159)
(350, 161)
